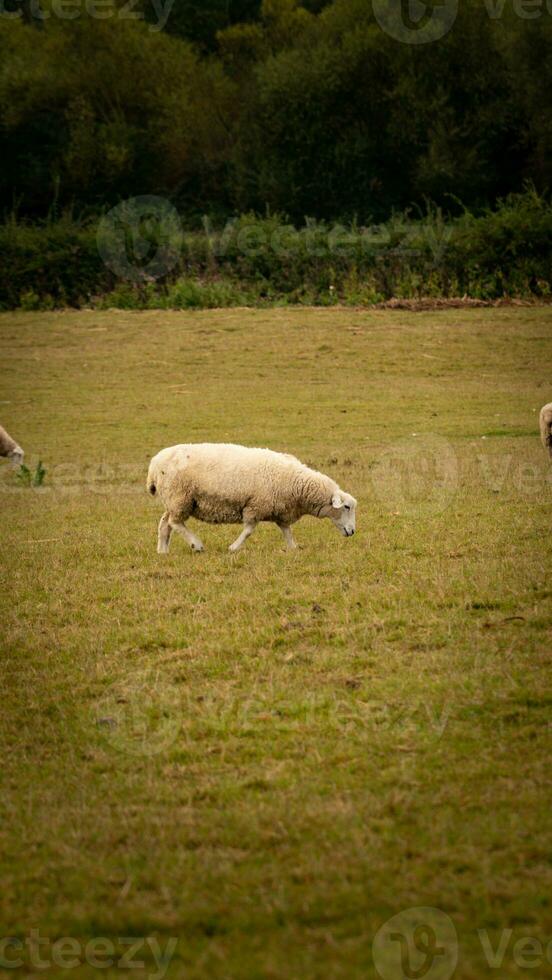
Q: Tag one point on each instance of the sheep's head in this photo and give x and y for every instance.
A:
(16, 455)
(343, 513)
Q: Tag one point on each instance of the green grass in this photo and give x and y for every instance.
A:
(269, 755)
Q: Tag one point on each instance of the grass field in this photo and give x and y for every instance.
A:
(266, 756)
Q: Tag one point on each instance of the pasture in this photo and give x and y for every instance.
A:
(266, 756)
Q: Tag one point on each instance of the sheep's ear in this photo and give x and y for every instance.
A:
(337, 501)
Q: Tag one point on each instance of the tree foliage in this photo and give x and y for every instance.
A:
(307, 108)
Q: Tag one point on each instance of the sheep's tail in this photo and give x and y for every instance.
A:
(151, 485)
(546, 428)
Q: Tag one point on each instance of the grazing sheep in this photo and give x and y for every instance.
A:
(10, 448)
(228, 484)
(546, 427)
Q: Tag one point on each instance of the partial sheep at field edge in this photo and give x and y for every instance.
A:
(10, 448)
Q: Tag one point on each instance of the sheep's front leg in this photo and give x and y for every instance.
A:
(248, 528)
(191, 538)
(164, 534)
(288, 536)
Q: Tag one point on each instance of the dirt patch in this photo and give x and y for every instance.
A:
(457, 302)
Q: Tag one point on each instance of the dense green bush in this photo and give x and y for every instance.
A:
(507, 251)
(256, 260)
(55, 264)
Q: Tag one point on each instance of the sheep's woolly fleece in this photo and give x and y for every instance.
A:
(546, 427)
(228, 484)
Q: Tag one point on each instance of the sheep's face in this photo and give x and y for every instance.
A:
(16, 455)
(343, 513)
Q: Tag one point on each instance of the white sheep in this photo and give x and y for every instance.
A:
(229, 484)
(9, 448)
(546, 427)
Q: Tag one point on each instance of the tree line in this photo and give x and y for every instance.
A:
(269, 106)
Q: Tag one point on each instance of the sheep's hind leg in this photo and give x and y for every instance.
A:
(288, 536)
(192, 539)
(248, 528)
(164, 534)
